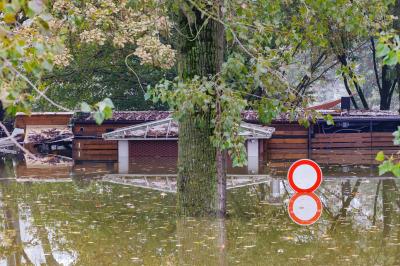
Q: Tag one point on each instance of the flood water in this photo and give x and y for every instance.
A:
(88, 215)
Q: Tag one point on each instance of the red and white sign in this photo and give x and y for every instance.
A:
(304, 176)
(305, 208)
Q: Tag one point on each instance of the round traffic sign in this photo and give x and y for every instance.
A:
(305, 208)
(304, 176)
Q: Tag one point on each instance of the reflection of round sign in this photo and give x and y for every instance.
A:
(304, 176)
(305, 208)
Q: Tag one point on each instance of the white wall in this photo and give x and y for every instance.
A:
(123, 156)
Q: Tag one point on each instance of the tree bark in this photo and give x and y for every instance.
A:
(201, 171)
(389, 82)
(390, 76)
(2, 112)
(396, 27)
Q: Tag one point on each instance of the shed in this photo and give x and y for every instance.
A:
(88, 144)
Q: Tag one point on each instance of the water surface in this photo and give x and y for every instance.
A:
(91, 217)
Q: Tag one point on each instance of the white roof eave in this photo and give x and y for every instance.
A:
(251, 131)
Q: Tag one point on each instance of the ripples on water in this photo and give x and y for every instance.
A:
(91, 218)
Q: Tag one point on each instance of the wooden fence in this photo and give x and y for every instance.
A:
(290, 143)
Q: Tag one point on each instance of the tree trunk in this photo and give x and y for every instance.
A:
(396, 27)
(197, 170)
(343, 60)
(201, 53)
(2, 112)
(389, 82)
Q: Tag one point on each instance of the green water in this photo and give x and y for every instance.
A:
(89, 221)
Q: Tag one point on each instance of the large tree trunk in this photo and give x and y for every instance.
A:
(200, 171)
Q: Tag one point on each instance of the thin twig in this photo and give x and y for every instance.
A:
(134, 72)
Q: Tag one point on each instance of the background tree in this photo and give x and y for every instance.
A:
(98, 72)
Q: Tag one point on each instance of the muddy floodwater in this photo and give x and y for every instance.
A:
(88, 215)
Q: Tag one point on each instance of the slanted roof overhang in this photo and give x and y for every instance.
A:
(167, 129)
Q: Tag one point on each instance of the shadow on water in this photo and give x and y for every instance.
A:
(87, 214)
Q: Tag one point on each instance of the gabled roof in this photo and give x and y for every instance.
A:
(168, 129)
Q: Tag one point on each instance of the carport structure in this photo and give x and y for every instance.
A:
(160, 139)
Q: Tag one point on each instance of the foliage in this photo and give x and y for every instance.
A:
(27, 48)
(101, 110)
(36, 37)
(99, 72)
(265, 39)
(389, 48)
(121, 23)
(199, 94)
(390, 163)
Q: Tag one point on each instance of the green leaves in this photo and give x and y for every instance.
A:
(101, 110)
(388, 48)
(385, 167)
(200, 96)
(380, 157)
(396, 135)
(382, 50)
(268, 109)
(85, 107)
(388, 166)
(98, 117)
(329, 120)
(391, 164)
(391, 58)
(396, 170)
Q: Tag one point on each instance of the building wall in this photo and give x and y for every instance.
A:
(153, 148)
(345, 142)
(45, 119)
(288, 144)
(94, 150)
(94, 130)
(88, 144)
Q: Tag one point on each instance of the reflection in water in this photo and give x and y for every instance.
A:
(305, 208)
(107, 219)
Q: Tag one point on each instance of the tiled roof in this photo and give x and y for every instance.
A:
(124, 116)
(248, 116)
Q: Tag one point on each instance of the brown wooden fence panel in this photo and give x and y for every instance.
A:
(350, 148)
(288, 144)
(95, 150)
